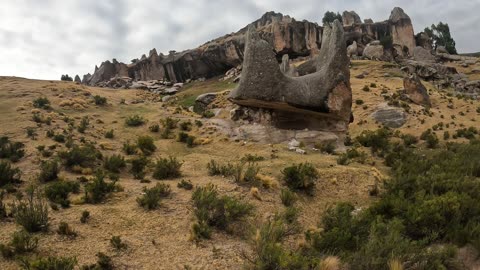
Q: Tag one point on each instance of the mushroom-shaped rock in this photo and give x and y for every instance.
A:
(325, 93)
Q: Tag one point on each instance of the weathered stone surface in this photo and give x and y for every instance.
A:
(350, 17)
(373, 51)
(402, 31)
(416, 91)
(86, 78)
(202, 102)
(368, 21)
(77, 79)
(422, 54)
(325, 93)
(424, 41)
(352, 50)
(390, 116)
(429, 71)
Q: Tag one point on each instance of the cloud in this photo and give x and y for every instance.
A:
(44, 39)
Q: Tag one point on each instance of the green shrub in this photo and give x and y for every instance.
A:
(97, 190)
(170, 123)
(373, 85)
(114, 163)
(8, 175)
(366, 88)
(31, 213)
(11, 150)
(48, 171)
(208, 114)
(31, 133)
(301, 177)
(22, 242)
(190, 141)
(359, 102)
(378, 140)
(185, 184)
(135, 121)
(117, 243)
(60, 138)
(182, 137)
(129, 149)
(199, 123)
(50, 263)
(154, 128)
(85, 216)
(66, 230)
(246, 173)
(446, 135)
(215, 211)
(138, 167)
(41, 103)
(84, 156)
(252, 158)
(225, 170)
(328, 147)
(288, 198)
(100, 100)
(409, 140)
(83, 124)
(151, 198)
(109, 134)
(166, 168)
(3, 208)
(431, 138)
(146, 144)
(57, 192)
(186, 126)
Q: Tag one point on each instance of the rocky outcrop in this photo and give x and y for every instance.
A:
(374, 51)
(424, 41)
(352, 50)
(350, 17)
(402, 31)
(108, 70)
(77, 79)
(422, 54)
(202, 102)
(416, 91)
(324, 95)
(390, 116)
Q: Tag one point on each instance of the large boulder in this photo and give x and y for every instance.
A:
(416, 91)
(202, 102)
(424, 41)
(388, 116)
(352, 50)
(350, 18)
(402, 31)
(77, 79)
(373, 51)
(422, 54)
(323, 94)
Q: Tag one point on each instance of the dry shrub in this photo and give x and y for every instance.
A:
(267, 181)
(330, 263)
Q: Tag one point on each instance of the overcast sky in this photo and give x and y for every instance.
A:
(43, 39)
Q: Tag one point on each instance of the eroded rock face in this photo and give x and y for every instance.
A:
(325, 94)
(416, 91)
(77, 79)
(350, 18)
(402, 31)
(352, 50)
(373, 51)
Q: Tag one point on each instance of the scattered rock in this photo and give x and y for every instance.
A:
(416, 91)
(373, 51)
(390, 116)
(202, 102)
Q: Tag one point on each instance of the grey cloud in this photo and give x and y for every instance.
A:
(43, 39)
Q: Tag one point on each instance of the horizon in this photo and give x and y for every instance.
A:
(46, 45)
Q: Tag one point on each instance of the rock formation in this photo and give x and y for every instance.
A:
(77, 79)
(402, 32)
(350, 17)
(325, 96)
(416, 91)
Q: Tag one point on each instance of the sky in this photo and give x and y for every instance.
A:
(43, 39)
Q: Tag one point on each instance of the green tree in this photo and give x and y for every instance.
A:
(440, 35)
(331, 16)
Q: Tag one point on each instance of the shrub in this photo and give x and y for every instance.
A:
(109, 134)
(138, 167)
(190, 141)
(152, 196)
(31, 213)
(409, 140)
(3, 209)
(58, 192)
(252, 158)
(83, 124)
(129, 149)
(84, 156)
(97, 191)
(117, 243)
(48, 171)
(65, 229)
(359, 102)
(135, 121)
(328, 147)
(288, 198)
(378, 140)
(225, 170)
(41, 103)
(373, 85)
(208, 114)
(446, 135)
(366, 88)
(21, 242)
(182, 137)
(114, 163)
(170, 123)
(167, 168)
(85, 216)
(185, 184)
(431, 138)
(11, 150)
(154, 128)
(31, 133)
(48, 263)
(301, 177)
(199, 123)
(215, 211)
(60, 138)
(8, 175)
(146, 144)
(247, 174)
(100, 100)
(186, 126)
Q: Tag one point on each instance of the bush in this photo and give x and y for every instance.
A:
(252, 158)
(378, 140)
(409, 140)
(8, 175)
(366, 88)
(167, 168)
(3, 208)
(446, 135)
(359, 102)
(65, 229)
(134, 121)
(97, 191)
(199, 123)
(60, 138)
(109, 134)
(117, 243)
(138, 167)
(11, 150)
(186, 126)
(246, 174)
(187, 185)
(50, 263)
(328, 148)
(154, 128)
(41, 103)
(129, 149)
(301, 177)
(152, 196)
(208, 114)
(100, 100)
(288, 198)
(31, 133)
(431, 138)
(85, 216)
(225, 170)
(22, 242)
(83, 124)
(114, 163)
(146, 144)
(219, 212)
(31, 213)
(84, 156)
(170, 123)
(58, 192)
(48, 171)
